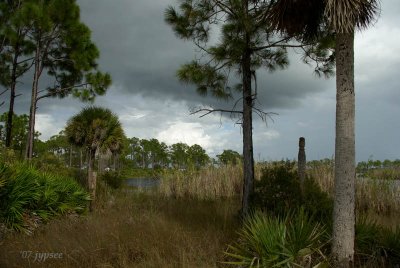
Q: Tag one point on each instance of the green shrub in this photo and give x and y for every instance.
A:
(278, 191)
(112, 179)
(316, 201)
(29, 196)
(295, 240)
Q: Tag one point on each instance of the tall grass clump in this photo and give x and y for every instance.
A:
(375, 245)
(29, 197)
(392, 173)
(372, 195)
(294, 240)
(204, 184)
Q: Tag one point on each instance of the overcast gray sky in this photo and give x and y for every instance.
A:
(142, 54)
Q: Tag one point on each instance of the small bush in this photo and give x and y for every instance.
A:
(316, 201)
(112, 179)
(278, 191)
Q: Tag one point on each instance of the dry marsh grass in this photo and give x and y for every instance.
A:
(205, 184)
(378, 196)
(130, 229)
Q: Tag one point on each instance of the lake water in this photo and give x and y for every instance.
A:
(142, 182)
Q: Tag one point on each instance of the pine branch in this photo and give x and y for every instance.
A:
(226, 8)
(4, 91)
(209, 111)
(58, 91)
(278, 44)
(23, 61)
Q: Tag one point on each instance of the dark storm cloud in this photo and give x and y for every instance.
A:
(142, 54)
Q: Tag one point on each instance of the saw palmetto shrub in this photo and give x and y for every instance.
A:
(294, 239)
(28, 196)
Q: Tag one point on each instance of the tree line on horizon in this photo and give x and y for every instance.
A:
(134, 153)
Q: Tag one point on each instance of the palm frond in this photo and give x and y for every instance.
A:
(300, 18)
(344, 16)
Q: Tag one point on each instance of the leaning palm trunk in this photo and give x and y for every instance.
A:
(344, 204)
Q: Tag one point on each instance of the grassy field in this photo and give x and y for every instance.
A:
(188, 221)
(131, 229)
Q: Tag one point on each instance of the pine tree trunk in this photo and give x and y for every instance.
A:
(247, 124)
(12, 97)
(32, 112)
(344, 199)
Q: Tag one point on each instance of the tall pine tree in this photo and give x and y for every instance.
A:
(246, 43)
(63, 48)
(15, 57)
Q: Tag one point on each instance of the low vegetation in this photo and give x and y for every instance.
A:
(204, 184)
(294, 240)
(372, 195)
(28, 196)
(190, 220)
(131, 229)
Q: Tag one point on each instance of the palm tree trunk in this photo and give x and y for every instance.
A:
(344, 200)
(80, 159)
(92, 178)
(70, 156)
(301, 163)
(247, 124)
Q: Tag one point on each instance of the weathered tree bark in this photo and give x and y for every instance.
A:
(344, 199)
(92, 176)
(247, 124)
(301, 163)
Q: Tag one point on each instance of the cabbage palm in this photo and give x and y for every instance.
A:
(96, 129)
(306, 19)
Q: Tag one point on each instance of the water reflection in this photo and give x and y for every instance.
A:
(142, 182)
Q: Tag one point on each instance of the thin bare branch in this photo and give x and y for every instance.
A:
(4, 91)
(209, 111)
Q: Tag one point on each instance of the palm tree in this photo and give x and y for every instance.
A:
(96, 129)
(306, 19)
